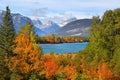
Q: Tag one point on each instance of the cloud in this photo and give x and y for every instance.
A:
(62, 18)
(72, 4)
(51, 8)
(69, 14)
(40, 12)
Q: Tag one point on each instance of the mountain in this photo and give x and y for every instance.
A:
(1, 15)
(68, 26)
(39, 32)
(37, 23)
(63, 20)
(75, 28)
(20, 20)
(69, 20)
(48, 27)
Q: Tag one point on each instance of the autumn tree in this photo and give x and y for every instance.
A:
(67, 38)
(48, 39)
(51, 67)
(28, 54)
(70, 72)
(103, 72)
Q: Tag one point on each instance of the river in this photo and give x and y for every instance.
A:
(63, 48)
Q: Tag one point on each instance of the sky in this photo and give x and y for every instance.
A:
(60, 8)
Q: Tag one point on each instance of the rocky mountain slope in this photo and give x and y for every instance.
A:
(72, 27)
(75, 28)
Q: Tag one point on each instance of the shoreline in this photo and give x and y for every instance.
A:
(63, 42)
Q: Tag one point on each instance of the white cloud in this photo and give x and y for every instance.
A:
(68, 8)
(76, 3)
(65, 4)
(78, 14)
(40, 12)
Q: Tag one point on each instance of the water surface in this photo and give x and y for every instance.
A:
(63, 48)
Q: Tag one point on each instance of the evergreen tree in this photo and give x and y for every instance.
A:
(7, 33)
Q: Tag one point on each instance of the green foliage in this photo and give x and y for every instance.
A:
(52, 37)
(81, 76)
(52, 54)
(33, 77)
(15, 76)
(64, 60)
(115, 62)
(7, 33)
(61, 75)
(104, 45)
(26, 29)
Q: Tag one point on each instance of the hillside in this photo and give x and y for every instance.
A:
(75, 28)
(20, 20)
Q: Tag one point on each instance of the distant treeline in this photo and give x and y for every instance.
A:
(60, 39)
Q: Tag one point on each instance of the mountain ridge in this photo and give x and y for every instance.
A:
(73, 26)
(79, 27)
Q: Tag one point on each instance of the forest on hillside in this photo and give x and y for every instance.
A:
(22, 59)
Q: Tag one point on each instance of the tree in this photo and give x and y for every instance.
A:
(115, 62)
(7, 33)
(50, 38)
(70, 72)
(28, 54)
(51, 68)
(104, 45)
(102, 38)
(103, 72)
(93, 46)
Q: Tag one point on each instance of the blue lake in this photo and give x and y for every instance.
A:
(63, 48)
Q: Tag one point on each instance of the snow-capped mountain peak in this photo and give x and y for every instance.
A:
(49, 27)
(37, 23)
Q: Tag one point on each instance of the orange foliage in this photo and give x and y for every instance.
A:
(48, 39)
(104, 72)
(100, 71)
(27, 57)
(57, 40)
(83, 66)
(51, 67)
(67, 39)
(70, 72)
